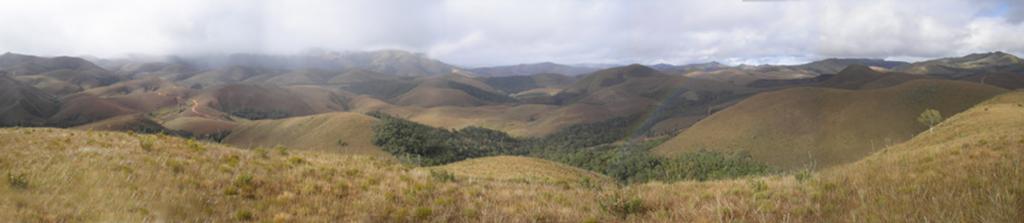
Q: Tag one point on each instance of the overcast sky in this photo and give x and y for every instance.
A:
(477, 32)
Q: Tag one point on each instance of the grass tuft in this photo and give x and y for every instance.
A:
(17, 181)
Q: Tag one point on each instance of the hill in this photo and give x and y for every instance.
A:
(747, 75)
(1003, 80)
(835, 65)
(122, 98)
(21, 104)
(144, 94)
(972, 158)
(531, 69)
(227, 75)
(264, 102)
(516, 84)
(379, 85)
(669, 102)
(637, 89)
(801, 127)
(395, 62)
(348, 133)
(56, 72)
(864, 77)
(138, 123)
(682, 69)
(973, 64)
(516, 168)
(451, 90)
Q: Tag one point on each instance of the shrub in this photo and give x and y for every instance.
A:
(622, 206)
(243, 180)
(281, 150)
(758, 185)
(17, 181)
(195, 146)
(422, 213)
(295, 160)
(261, 152)
(243, 215)
(930, 118)
(443, 176)
(146, 143)
(803, 175)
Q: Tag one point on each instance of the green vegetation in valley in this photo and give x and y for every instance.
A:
(588, 146)
(424, 145)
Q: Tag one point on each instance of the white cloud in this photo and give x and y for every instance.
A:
(485, 32)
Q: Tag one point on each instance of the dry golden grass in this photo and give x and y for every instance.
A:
(525, 169)
(968, 170)
(802, 127)
(341, 132)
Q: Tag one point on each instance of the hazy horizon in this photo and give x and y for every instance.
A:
(487, 33)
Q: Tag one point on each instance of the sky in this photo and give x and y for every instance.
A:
(483, 32)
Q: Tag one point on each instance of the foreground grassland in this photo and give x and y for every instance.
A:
(969, 169)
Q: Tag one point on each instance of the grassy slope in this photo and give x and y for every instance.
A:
(967, 170)
(799, 127)
(516, 168)
(134, 122)
(336, 132)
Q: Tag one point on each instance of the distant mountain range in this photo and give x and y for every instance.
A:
(530, 69)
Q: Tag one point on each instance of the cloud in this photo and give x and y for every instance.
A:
(489, 32)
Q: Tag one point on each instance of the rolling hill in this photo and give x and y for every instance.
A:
(745, 75)
(835, 65)
(531, 69)
(637, 89)
(264, 102)
(138, 123)
(820, 127)
(21, 104)
(516, 84)
(451, 90)
(973, 158)
(381, 86)
(973, 64)
(864, 77)
(59, 75)
(343, 132)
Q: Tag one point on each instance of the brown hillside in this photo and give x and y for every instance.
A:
(263, 102)
(802, 127)
(451, 90)
(973, 64)
(127, 123)
(863, 77)
(1003, 80)
(73, 70)
(348, 133)
(199, 125)
(79, 109)
(23, 104)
